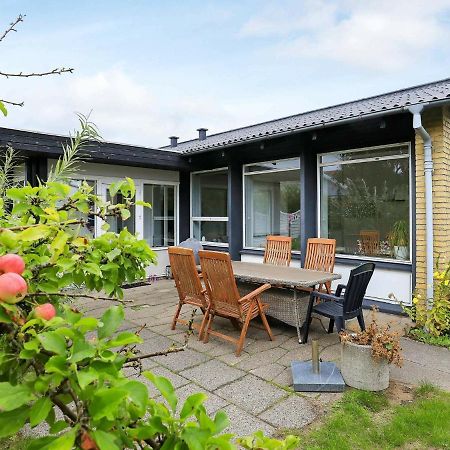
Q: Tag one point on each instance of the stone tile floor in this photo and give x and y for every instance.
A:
(256, 388)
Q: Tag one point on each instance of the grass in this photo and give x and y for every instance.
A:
(367, 420)
(420, 335)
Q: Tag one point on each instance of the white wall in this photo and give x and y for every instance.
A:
(387, 285)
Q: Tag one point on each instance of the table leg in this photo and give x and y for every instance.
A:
(301, 329)
(297, 318)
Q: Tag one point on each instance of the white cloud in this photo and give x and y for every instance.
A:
(124, 109)
(374, 34)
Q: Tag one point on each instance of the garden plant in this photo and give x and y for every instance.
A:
(58, 366)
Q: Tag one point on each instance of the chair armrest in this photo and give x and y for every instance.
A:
(339, 289)
(255, 293)
(326, 297)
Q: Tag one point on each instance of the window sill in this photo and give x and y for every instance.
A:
(404, 266)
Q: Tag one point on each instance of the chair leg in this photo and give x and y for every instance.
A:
(243, 334)
(203, 324)
(208, 327)
(362, 325)
(331, 326)
(340, 324)
(264, 321)
(175, 317)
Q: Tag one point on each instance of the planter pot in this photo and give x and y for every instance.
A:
(401, 252)
(361, 370)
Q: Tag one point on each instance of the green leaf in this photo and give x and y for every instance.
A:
(34, 233)
(191, 405)
(165, 387)
(53, 342)
(4, 317)
(64, 442)
(11, 397)
(122, 339)
(86, 377)
(58, 426)
(221, 421)
(81, 350)
(3, 109)
(57, 364)
(86, 324)
(12, 421)
(8, 238)
(113, 253)
(111, 319)
(105, 403)
(125, 214)
(93, 268)
(39, 411)
(58, 244)
(105, 441)
(106, 226)
(137, 393)
(142, 203)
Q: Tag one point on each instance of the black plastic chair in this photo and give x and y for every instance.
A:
(339, 309)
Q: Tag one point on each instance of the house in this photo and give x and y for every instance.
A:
(353, 172)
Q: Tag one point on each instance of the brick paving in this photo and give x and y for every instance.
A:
(256, 388)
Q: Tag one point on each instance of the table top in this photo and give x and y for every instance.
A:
(280, 275)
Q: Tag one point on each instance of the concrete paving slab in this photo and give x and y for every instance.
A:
(260, 359)
(251, 393)
(213, 374)
(243, 424)
(292, 412)
(182, 360)
(268, 371)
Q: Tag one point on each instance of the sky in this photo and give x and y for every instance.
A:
(148, 69)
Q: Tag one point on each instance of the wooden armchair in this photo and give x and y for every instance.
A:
(225, 300)
(189, 287)
(320, 255)
(278, 250)
(370, 242)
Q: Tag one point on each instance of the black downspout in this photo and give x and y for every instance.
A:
(235, 226)
(184, 206)
(308, 199)
(36, 170)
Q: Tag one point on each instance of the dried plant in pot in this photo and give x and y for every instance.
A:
(366, 355)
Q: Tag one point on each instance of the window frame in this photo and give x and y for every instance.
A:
(244, 194)
(408, 156)
(207, 218)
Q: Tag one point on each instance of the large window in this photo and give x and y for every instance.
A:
(209, 206)
(159, 220)
(365, 201)
(272, 201)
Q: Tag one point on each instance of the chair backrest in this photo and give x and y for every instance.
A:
(219, 278)
(356, 287)
(370, 242)
(185, 274)
(320, 254)
(278, 250)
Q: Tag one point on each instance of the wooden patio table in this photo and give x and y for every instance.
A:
(286, 277)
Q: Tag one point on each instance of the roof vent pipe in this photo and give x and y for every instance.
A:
(416, 111)
(202, 133)
(173, 141)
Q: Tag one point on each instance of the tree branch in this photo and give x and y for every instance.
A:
(8, 102)
(25, 227)
(11, 27)
(57, 71)
(59, 294)
(64, 408)
(152, 355)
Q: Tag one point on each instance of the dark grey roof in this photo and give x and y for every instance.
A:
(50, 145)
(390, 102)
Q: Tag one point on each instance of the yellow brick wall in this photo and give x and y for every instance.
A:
(437, 122)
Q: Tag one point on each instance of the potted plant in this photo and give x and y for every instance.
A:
(366, 355)
(399, 239)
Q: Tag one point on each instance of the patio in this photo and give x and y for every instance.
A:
(255, 388)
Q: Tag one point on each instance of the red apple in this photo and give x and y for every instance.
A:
(12, 263)
(87, 443)
(46, 311)
(13, 287)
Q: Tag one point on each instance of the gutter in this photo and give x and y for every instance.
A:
(416, 111)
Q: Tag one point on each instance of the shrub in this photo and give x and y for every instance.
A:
(433, 317)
